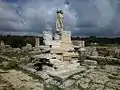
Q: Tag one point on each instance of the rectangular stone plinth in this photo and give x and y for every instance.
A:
(66, 73)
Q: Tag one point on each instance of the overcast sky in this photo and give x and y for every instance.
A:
(82, 17)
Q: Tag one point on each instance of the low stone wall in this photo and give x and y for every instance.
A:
(5, 58)
(105, 60)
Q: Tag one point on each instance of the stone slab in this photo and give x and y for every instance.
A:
(65, 74)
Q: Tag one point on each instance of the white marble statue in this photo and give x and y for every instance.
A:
(60, 20)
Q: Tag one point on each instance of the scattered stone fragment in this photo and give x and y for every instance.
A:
(69, 83)
(98, 77)
(76, 77)
(90, 62)
(96, 87)
(114, 84)
(83, 83)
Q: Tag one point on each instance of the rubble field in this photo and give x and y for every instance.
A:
(17, 80)
(69, 76)
(94, 78)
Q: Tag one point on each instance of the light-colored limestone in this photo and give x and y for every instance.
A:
(37, 42)
(20, 81)
(90, 62)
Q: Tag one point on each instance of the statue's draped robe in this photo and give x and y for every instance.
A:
(60, 22)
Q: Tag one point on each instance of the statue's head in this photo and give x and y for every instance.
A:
(59, 11)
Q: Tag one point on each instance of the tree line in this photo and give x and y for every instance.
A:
(99, 40)
(17, 41)
(20, 41)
